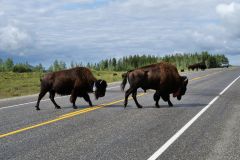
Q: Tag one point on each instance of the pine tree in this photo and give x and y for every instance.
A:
(1, 65)
(9, 64)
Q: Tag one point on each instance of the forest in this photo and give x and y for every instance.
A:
(122, 64)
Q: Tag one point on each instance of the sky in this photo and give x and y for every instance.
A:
(40, 31)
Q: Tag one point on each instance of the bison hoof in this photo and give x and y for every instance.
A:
(75, 107)
(157, 106)
(139, 106)
(37, 108)
(57, 107)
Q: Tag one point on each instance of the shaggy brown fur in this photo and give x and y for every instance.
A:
(78, 82)
(162, 77)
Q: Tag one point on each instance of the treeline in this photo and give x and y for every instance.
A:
(8, 65)
(180, 60)
(122, 64)
(183, 60)
(125, 63)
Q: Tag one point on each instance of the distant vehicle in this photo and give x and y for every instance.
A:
(225, 65)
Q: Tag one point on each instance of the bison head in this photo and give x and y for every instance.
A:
(182, 89)
(101, 86)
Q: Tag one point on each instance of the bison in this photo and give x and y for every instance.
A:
(162, 77)
(192, 67)
(197, 66)
(77, 81)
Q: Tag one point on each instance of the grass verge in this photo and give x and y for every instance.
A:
(20, 84)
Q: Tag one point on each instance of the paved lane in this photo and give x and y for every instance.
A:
(116, 133)
(215, 136)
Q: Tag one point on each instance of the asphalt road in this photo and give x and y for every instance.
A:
(108, 131)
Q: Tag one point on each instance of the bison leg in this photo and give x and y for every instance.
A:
(128, 92)
(169, 102)
(166, 97)
(51, 96)
(134, 95)
(73, 98)
(156, 98)
(87, 98)
(40, 96)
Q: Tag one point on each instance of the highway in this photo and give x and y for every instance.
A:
(205, 124)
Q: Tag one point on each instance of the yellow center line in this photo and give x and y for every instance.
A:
(65, 116)
(75, 113)
(205, 76)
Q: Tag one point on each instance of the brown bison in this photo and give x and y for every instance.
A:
(162, 77)
(197, 66)
(78, 82)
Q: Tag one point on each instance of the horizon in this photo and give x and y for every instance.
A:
(84, 64)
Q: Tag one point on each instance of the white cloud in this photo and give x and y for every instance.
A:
(63, 29)
(1, 13)
(229, 14)
(78, 1)
(14, 39)
(227, 9)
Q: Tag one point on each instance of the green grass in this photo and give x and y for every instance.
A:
(108, 75)
(19, 84)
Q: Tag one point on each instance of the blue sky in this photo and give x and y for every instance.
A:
(41, 31)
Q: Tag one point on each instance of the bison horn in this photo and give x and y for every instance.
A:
(101, 81)
(94, 87)
(184, 78)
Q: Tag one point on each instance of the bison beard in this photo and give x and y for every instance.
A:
(165, 97)
(77, 82)
(162, 77)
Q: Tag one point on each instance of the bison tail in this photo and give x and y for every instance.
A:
(124, 82)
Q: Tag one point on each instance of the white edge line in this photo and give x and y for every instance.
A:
(16, 105)
(33, 95)
(186, 126)
(18, 97)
